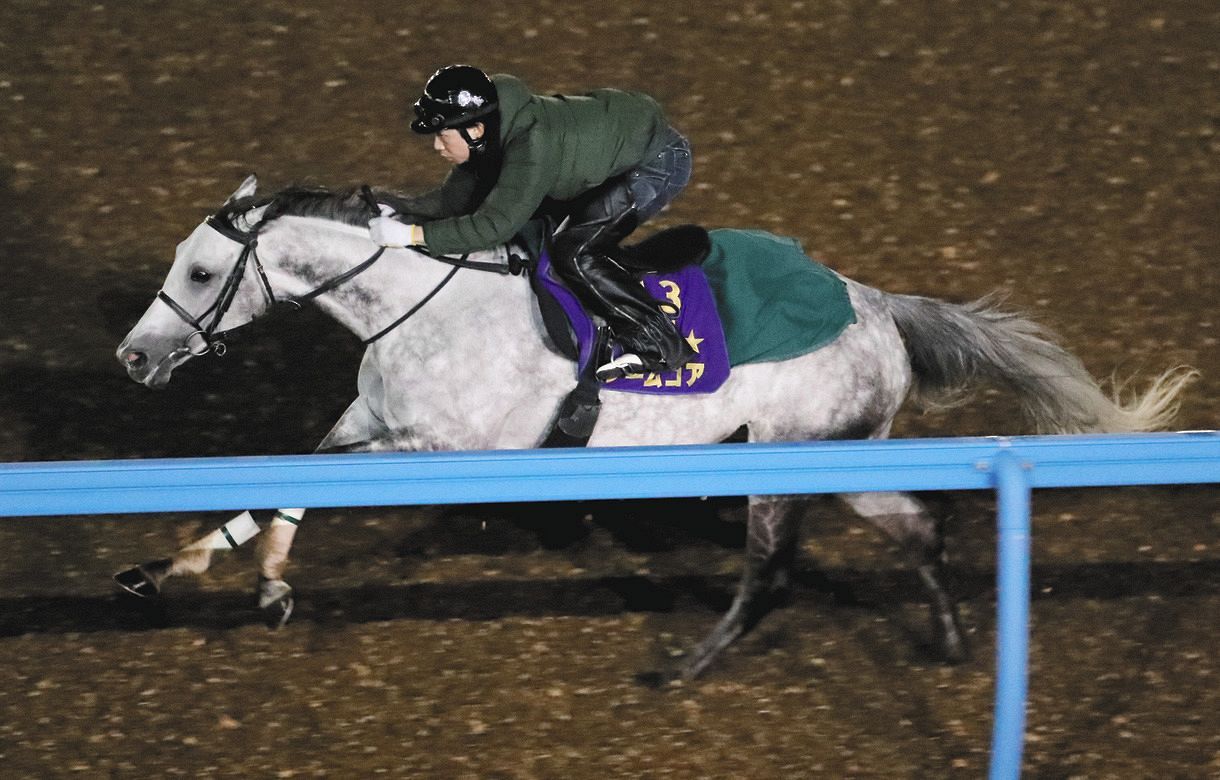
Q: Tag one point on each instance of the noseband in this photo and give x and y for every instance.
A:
(210, 340)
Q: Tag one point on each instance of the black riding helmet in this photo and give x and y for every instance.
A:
(456, 96)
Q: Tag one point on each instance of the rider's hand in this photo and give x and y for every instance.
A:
(388, 231)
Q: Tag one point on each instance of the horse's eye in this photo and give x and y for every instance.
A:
(199, 275)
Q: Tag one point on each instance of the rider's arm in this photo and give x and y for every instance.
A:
(453, 197)
(522, 185)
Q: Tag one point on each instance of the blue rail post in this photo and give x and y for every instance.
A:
(1012, 481)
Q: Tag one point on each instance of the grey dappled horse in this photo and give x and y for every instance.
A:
(471, 368)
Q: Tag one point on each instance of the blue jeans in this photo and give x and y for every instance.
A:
(659, 180)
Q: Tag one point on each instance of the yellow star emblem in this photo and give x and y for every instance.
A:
(694, 342)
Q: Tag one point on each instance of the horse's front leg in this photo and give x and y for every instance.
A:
(145, 579)
(771, 542)
(274, 594)
(275, 597)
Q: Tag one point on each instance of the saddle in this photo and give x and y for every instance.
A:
(668, 266)
(667, 251)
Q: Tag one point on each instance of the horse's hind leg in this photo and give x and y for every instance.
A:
(906, 520)
(771, 542)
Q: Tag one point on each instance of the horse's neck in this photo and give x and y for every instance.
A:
(308, 252)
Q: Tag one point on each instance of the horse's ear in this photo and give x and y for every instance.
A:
(246, 189)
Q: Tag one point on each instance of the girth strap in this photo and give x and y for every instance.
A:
(573, 425)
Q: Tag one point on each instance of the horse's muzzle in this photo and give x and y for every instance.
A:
(138, 366)
(143, 369)
(133, 361)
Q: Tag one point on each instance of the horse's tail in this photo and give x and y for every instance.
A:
(952, 346)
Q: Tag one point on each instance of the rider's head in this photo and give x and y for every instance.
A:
(458, 104)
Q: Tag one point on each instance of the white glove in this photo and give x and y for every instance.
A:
(387, 231)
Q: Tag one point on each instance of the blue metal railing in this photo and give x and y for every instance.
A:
(1012, 621)
(1011, 466)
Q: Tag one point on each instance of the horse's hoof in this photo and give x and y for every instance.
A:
(956, 653)
(660, 680)
(276, 602)
(138, 582)
(950, 639)
(277, 614)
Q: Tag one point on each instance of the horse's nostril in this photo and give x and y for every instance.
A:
(135, 359)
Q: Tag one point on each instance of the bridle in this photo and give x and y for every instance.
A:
(205, 338)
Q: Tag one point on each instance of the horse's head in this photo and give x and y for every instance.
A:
(215, 285)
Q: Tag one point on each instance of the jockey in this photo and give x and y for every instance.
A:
(602, 163)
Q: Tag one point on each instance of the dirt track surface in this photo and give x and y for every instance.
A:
(1066, 156)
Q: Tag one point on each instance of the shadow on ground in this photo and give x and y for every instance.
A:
(876, 591)
(278, 390)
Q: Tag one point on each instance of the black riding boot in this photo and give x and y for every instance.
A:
(636, 323)
(580, 256)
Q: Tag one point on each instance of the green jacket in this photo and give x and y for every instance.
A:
(553, 147)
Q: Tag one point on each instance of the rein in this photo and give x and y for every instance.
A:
(206, 338)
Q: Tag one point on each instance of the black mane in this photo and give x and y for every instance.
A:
(347, 206)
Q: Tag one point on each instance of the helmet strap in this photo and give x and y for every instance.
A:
(476, 144)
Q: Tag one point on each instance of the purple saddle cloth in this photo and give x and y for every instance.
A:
(685, 296)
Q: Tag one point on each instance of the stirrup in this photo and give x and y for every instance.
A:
(621, 366)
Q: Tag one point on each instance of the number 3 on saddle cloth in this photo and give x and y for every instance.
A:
(686, 298)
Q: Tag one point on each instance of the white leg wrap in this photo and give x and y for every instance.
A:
(234, 533)
(196, 557)
(288, 517)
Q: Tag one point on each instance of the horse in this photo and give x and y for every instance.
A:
(457, 359)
